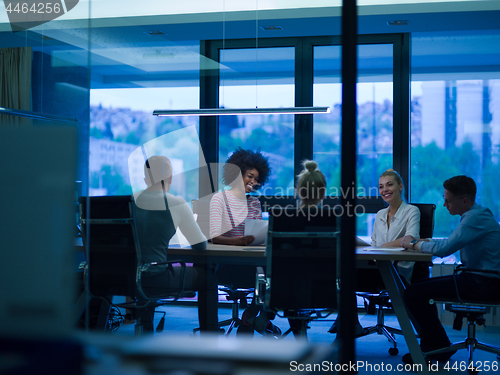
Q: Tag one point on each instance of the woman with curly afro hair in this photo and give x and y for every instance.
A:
(245, 171)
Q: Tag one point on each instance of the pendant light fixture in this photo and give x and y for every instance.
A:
(34, 115)
(241, 111)
(222, 111)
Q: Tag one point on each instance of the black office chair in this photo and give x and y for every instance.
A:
(300, 281)
(379, 301)
(474, 311)
(114, 265)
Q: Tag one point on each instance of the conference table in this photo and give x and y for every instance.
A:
(216, 255)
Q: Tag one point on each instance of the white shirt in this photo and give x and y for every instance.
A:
(406, 222)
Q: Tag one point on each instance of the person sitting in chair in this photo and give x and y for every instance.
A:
(244, 172)
(477, 237)
(158, 215)
(391, 224)
(311, 190)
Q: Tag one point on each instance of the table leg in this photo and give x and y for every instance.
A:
(396, 288)
(208, 301)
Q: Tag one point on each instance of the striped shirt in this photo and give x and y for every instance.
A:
(238, 210)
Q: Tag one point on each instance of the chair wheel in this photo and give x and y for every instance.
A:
(393, 351)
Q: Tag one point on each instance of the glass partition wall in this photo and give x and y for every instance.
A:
(86, 87)
(44, 75)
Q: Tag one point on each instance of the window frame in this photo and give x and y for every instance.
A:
(303, 76)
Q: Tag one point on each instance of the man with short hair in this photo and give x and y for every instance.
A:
(478, 239)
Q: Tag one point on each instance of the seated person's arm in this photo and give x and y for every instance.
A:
(216, 209)
(465, 234)
(395, 243)
(237, 240)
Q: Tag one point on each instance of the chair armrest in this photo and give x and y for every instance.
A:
(460, 268)
(459, 300)
(146, 266)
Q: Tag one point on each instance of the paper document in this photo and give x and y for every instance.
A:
(360, 242)
(258, 229)
(372, 248)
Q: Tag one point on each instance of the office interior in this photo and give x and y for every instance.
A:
(87, 82)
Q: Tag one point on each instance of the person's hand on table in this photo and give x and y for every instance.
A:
(406, 242)
(235, 241)
(243, 240)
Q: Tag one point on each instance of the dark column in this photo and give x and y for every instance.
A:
(347, 261)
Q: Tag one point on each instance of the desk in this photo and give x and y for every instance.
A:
(210, 260)
(247, 255)
(396, 288)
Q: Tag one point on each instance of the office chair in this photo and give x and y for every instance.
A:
(300, 278)
(238, 297)
(380, 300)
(474, 311)
(114, 265)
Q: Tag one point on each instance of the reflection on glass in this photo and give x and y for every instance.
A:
(121, 120)
(182, 148)
(364, 226)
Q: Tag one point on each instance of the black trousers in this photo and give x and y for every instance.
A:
(171, 281)
(472, 287)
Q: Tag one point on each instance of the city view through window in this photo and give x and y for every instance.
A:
(454, 130)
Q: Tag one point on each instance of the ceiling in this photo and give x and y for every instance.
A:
(447, 36)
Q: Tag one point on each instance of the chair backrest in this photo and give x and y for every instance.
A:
(302, 247)
(426, 219)
(112, 250)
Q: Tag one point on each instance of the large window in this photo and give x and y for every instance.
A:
(121, 122)
(455, 121)
(375, 135)
(262, 78)
(279, 73)
(123, 130)
(375, 114)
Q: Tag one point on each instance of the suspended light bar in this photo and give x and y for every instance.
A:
(240, 111)
(34, 115)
